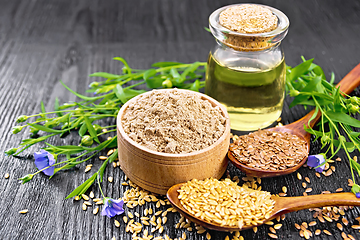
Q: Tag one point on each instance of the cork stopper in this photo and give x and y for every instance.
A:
(249, 27)
(248, 18)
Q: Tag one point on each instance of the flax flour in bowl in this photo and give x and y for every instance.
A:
(171, 136)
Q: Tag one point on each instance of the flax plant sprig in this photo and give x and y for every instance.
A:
(337, 127)
(87, 115)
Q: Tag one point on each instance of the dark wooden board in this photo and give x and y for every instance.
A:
(43, 41)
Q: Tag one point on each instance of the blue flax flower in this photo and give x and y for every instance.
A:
(316, 160)
(44, 159)
(112, 207)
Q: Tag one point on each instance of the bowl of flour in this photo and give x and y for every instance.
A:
(171, 136)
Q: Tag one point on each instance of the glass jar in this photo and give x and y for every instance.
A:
(246, 72)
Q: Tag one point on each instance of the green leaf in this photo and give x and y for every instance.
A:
(151, 80)
(355, 165)
(126, 65)
(105, 75)
(79, 95)
(195, 86)
(56, 107)
(308, 88)
(165, 64)
(189, 70)
(83, 187)
(45, 129)
(350, 147)
(91, 129)
(125, 94)
(343, 118)
(82, 130)
(300, 70)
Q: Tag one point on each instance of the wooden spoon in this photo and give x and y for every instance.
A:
(347, 85)
(282, 205)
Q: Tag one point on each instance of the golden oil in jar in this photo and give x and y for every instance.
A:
(252, 91)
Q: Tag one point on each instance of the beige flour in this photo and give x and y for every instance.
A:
(173, 121)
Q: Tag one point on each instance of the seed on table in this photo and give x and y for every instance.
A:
(208, 236)
(318, 174)
(158, 213)
(77, 198)
(306, 234)
(272, 235)
(283, 217)
(85, 197)
(299, 176)
(117, 223)
(313, 223)
(255, 229)
(201, 231)
(183, 235)
(110, 179)
(308, 190)
(304, 224)
(95, 210)
(297, 226)
(339, 190)
(284, 189)
(327, 232)
(317, 232)
(272, 230)
(99, 202)
(164, 220)
(227, 237)
(237, 234)
(339, 226)
(102, 157)
(157, 204)
(87, 203)
(91, 195)
(307, 179)
(303, 184)
(24, 211)
(130, 215)
(278, 218)
(7, 175)
(84, 207)
(351, 237)
(278, 226)
(355, 226)
(332, 168)
(327, 218)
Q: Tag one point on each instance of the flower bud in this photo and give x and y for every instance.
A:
(93, 84)
(167, 83)
(354, 100)
(17, 129)
(325, 139)
(97, 128)
(353, 108)
(21, 118)
(86, 140)
(26, 178)
(294, 93)
(11, 151)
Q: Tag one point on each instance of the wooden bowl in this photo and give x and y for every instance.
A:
(158, 171)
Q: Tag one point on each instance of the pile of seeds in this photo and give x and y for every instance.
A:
(269, 150)
(225, 203)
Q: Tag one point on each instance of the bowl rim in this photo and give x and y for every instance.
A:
(214, 103)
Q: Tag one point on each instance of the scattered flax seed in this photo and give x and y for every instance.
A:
(306, 234)
(308, 190)
(117, 223)
(351, 183)
(339, 226)
(208, 236)
(110, 152)
(303, 184)
(85, 197)
(114, 164)
(88, 168)
(277, 226)
(269, 223)
(7, 175)
(124, 184)
(284, 189)
(272, 230)
(255, 229)
(77, 198)
(332, 168)
(317, 232)
(84, 207)
(351, 237)
(125, 219)
(297, 226)
(313, 223)
(282, 194)
(355, 226)
(24, 211)
(283, 217)
(339, 190)
(272, 235)
(307, 179)
(318, 174)
(95, 210)
(87, 203)
(91, 195)
(100, 202)
(130, 215)
(110, 179)
(327, 232)
(102, 157)
(299, 176)
(338, 159)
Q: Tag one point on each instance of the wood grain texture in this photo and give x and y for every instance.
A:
(43, 41)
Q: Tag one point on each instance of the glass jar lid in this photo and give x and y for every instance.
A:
(249, 41)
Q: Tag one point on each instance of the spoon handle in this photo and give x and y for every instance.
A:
(290, 204)
(347, 85)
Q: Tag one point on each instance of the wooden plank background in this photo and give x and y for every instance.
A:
(43, 41)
